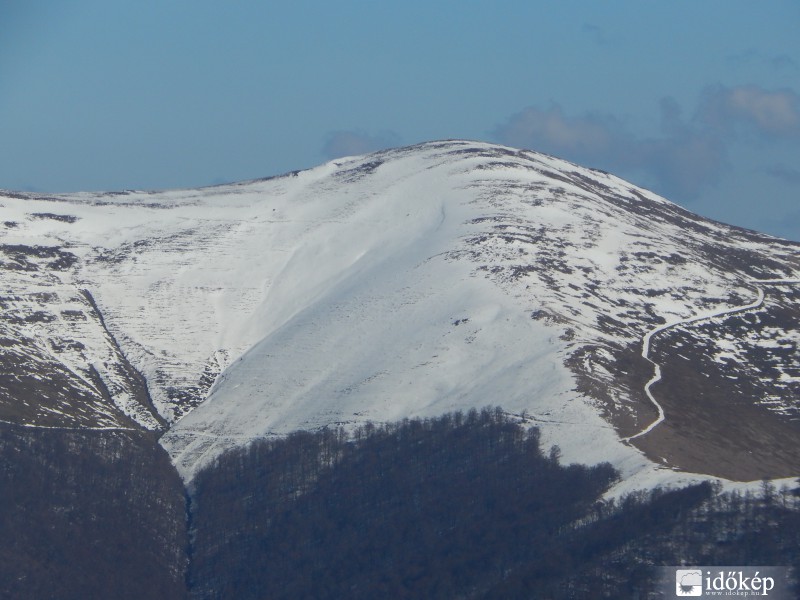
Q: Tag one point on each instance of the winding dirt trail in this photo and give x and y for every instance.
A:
(701, 317)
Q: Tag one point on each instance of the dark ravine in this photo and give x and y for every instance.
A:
(136, 380)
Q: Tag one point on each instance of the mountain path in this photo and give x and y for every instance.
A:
(701, 317)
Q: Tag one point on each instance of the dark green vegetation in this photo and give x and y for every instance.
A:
(463, 506)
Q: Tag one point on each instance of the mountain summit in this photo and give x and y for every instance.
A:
(410, 282)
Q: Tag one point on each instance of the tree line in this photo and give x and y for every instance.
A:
(467, 505)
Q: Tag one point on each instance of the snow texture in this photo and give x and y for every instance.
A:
(409, 282)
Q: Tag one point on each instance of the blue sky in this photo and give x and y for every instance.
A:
(699, 101)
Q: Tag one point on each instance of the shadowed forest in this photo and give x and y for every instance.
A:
(461, 506)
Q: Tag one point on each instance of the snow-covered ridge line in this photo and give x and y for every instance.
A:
(410, 282)
(703, 317)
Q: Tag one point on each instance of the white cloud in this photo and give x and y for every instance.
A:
(583, 138)
(770, 113)
(689, 155)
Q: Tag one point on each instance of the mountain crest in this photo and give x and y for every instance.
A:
(410, 282)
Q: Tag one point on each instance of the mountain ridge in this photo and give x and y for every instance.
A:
(410, 282)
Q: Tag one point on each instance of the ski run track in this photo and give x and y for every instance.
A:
(701, 317)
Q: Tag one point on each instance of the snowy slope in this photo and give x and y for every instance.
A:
(410, 282)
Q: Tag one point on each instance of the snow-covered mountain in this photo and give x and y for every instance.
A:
(410, 282)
